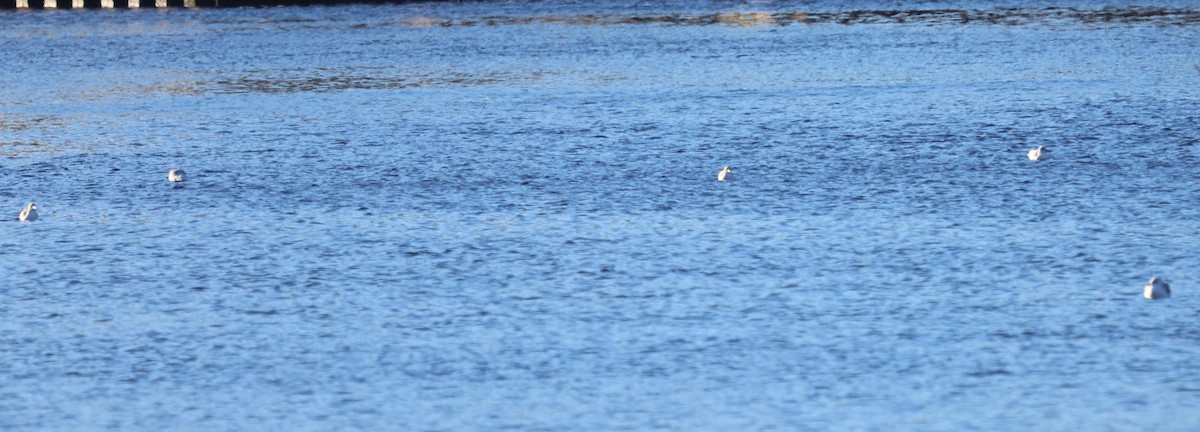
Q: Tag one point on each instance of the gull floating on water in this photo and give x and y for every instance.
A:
(1156, 289)
(175, 175)
(1036, 153)
(29, 213)
(722, 172)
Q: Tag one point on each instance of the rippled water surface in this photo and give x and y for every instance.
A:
(486, 216)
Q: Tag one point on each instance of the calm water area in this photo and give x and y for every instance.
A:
(505, 216)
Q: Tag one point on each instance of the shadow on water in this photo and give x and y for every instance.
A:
(327, 80)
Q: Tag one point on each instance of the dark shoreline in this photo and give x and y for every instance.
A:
(996, 16)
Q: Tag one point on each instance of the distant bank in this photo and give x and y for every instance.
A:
(1048, 15)
(136, 4)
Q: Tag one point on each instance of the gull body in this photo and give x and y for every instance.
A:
(721, 174)
(29, 213)
(1156, 289)
(1035, 154)
(175, 175)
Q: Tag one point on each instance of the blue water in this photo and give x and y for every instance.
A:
(487, 216)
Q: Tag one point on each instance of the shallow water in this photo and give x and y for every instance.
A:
(505, 216)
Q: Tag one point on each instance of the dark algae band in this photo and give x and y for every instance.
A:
(1013, 16)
